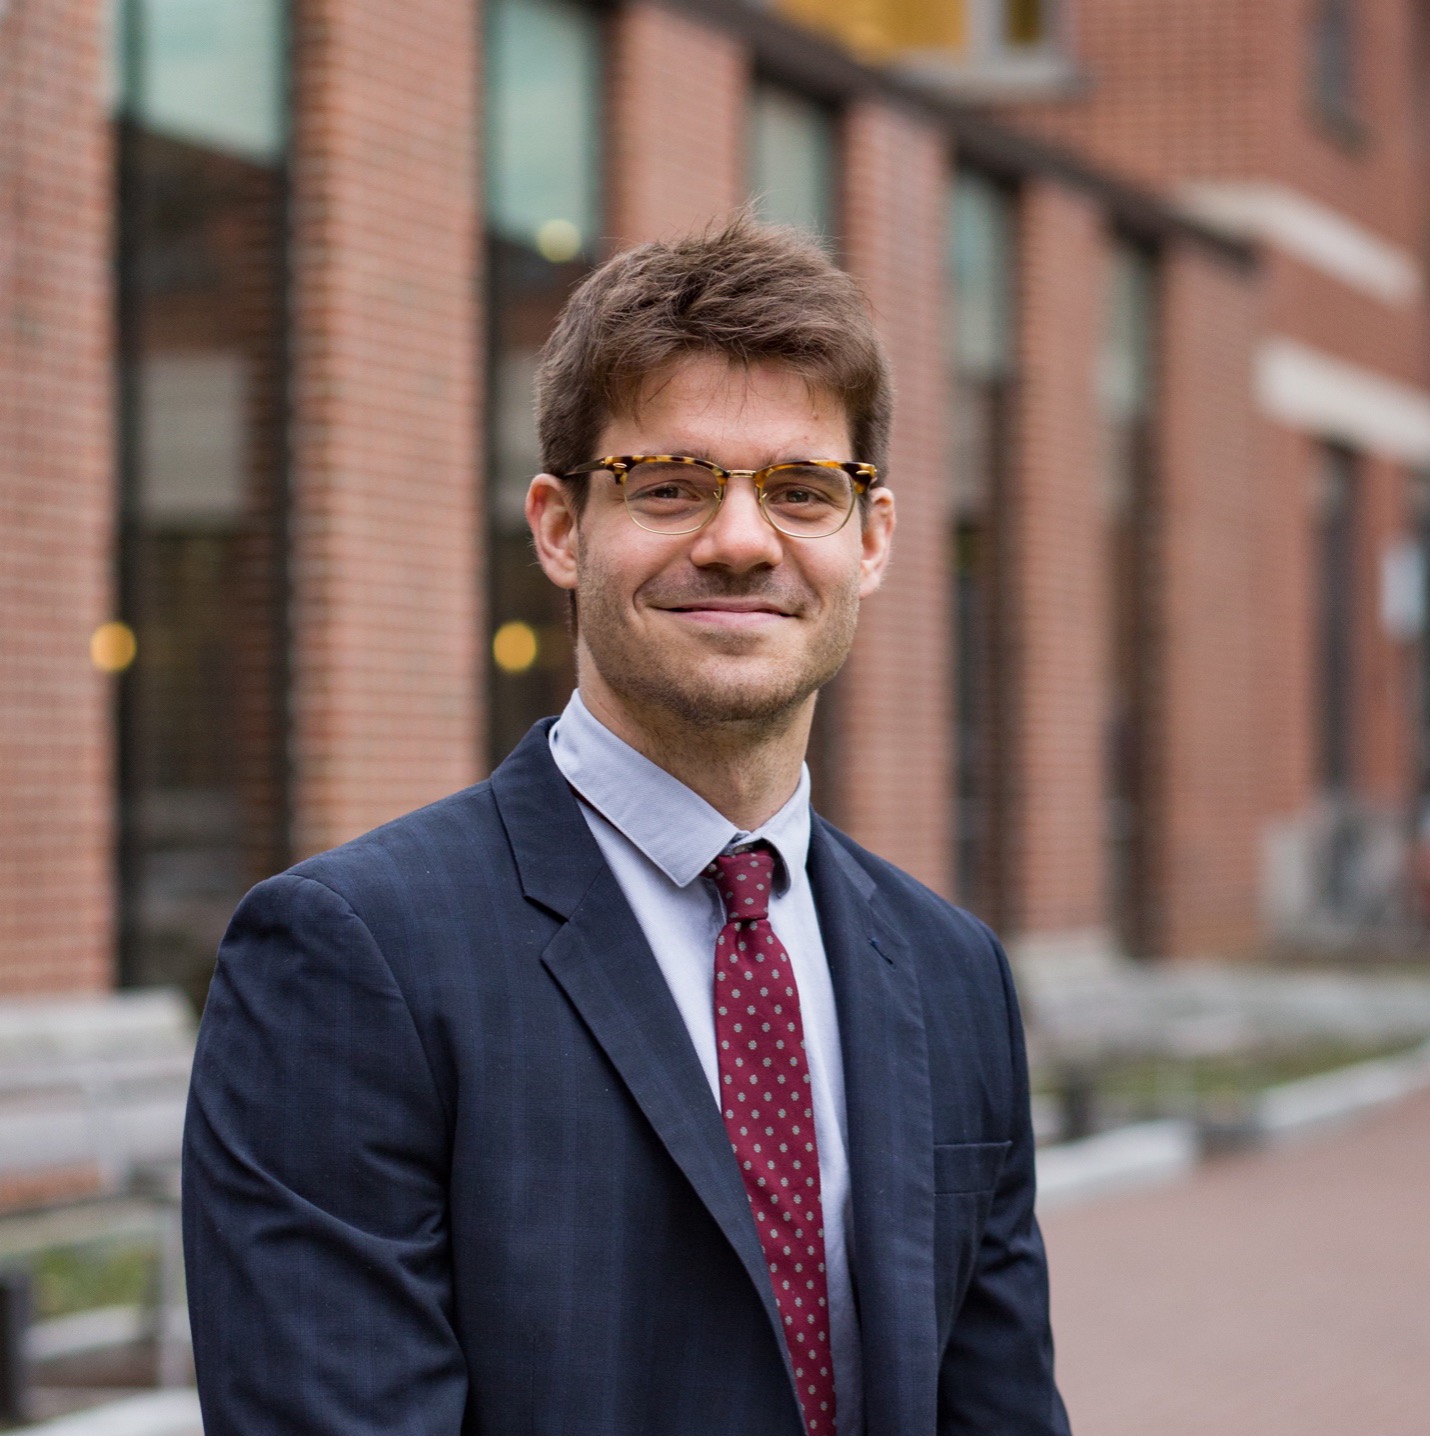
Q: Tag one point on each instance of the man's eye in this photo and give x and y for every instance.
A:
(798, 497)
(670, 490)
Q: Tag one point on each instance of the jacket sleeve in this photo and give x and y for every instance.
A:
(996, 1375)
(314, 1191)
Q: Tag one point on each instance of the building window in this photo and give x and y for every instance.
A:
(1127, 391)
(544, 74)
(982, 363)
(1417, 630)
(1026, 23)
(1333, 66)
(966, 31)
(1339, 615)
(974, 49)
(202, 156)
(792, 161)
(1339, 540)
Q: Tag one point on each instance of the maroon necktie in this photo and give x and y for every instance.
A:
(769, 1114)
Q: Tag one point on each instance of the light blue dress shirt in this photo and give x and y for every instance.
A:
(658, 836)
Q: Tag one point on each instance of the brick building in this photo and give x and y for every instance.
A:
(1300, 125)
(272, 280)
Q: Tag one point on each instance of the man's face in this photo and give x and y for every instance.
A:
(736, 623)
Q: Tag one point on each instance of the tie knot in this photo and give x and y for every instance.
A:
(744, 881)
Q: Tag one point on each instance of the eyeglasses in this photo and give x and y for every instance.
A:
(677, 494)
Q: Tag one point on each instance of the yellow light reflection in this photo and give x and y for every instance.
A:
(514, 647)
(558, 241)
(112, 647)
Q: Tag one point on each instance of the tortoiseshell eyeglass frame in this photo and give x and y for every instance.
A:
(865, 477)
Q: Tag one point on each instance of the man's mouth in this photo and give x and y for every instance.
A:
(731, 613)
(730, 606)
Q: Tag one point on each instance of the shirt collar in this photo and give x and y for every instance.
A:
(669, 823)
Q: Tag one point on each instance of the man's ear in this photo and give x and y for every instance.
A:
(554, 529)
(876, 538)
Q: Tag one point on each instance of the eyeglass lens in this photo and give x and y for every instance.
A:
(803, 501)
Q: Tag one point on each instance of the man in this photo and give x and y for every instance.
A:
(621, 1094)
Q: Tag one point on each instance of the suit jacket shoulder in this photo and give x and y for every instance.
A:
(416, 848)
(949, 944)
(910, 898)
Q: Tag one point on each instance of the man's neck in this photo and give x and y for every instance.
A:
(746, 772)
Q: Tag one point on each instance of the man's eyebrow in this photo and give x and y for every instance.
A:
(770, 457)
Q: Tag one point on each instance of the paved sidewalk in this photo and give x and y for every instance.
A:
(1285, 1291)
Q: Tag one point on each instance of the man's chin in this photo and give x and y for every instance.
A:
(731, 698)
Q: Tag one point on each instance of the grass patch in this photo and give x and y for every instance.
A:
(91, 1276)
(1214, 1087)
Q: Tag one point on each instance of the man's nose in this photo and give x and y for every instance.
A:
(738, 537)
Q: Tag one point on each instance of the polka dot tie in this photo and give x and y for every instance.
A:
(769, 1115)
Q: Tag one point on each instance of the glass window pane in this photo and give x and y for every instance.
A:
(1339, 542)
(208, 71)
(1333, 60)
(543, 173)
(530, 659)
(1126, 368)
(981, 230)
(1126, 387)
(201, 277)
(792, 161)
(543, 84)
(981, 263)
(1025, 22)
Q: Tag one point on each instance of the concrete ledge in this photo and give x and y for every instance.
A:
(1142, 1156)
(1304, 1106)
(1139, 1156)
(87, 1331)
(160, 1411)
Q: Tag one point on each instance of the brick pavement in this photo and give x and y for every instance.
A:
(1280, 1292)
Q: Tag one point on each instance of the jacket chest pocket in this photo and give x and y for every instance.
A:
(968, 1168)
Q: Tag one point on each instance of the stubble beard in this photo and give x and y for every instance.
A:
(706, 695)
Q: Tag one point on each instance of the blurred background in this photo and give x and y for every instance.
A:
(1148, 689)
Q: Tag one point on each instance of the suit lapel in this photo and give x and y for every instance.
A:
(887, 1099)
(601, 959)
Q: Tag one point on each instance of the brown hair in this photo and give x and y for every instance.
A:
(747, 291)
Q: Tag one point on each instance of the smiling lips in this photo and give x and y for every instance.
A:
(731, 613)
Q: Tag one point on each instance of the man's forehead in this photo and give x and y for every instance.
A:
(694, 393)
(703, 380)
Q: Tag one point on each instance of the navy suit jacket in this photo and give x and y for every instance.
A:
(451, 1163)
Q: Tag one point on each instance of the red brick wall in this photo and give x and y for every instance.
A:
(674, 165)
(894, 697)
(386, 530)
(1220, 89)
(1172, 88)
(1209, 751)
(1376, 177)
(1058, 870)
(1311, 307)
(56, 499)
(1286, 633)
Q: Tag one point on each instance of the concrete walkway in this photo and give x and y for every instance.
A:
(1285, 1291)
